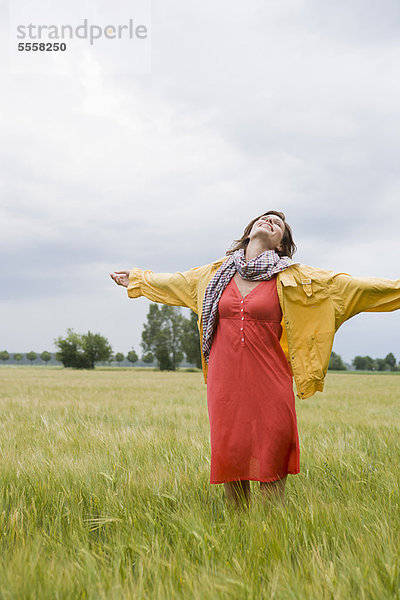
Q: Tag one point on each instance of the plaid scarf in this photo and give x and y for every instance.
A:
(262, 267)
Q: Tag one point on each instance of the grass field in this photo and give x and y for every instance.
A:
(105, 493)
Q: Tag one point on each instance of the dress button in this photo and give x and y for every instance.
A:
(241, 302)
(241, 310)
(241, 329)
(242, 318)
(242, 339)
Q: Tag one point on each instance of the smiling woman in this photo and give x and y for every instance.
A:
(263, 319)
(275, 221)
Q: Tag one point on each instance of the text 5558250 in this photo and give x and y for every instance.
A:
(42, 46)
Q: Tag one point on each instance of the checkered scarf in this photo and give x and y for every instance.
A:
(262, 267)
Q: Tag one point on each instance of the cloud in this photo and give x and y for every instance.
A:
(292, 106)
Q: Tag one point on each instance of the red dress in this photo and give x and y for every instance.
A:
(251, 404)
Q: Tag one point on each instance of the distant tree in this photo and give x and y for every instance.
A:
(132, 356)
(336, 363)
(191, 340)
(381, 364)
(162, 336)
(148, 358)
(359, 363)
(31, 356)
(119, 357)
(45, 356)
(4, 355)
(96, 348)
(82, 351)
(17, 357)
(390, 360)
(364, 363)
(71, 351)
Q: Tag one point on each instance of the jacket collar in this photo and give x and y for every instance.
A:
(286, 277)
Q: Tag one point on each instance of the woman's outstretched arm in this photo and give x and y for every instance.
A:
(174, 289)
(367, 294)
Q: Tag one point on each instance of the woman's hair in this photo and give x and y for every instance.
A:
(287, 243)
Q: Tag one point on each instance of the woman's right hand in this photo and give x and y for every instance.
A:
(121, 277)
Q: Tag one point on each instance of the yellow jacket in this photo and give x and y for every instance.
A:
(314, 304)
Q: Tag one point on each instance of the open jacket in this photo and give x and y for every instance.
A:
(314, 304)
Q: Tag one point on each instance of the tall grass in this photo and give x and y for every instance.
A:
(105, 493)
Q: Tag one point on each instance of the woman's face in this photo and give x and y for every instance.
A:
(269, 228)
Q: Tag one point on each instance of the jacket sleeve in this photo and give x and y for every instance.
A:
(174, 289)
(369, 294)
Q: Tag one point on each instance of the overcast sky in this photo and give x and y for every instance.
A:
(289, 105)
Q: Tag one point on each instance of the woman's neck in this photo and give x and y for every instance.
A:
(254, 248)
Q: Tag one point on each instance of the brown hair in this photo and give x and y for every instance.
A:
(287, 243)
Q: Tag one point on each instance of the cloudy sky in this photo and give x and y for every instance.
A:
(290, 105)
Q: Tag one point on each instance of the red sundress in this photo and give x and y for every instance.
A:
(251, 404)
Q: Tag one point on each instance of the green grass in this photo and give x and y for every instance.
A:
(105, 493)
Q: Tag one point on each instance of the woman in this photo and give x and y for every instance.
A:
(262, 319)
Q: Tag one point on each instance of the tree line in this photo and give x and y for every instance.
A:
(167, 338)
(365, 363)
(31, 356)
